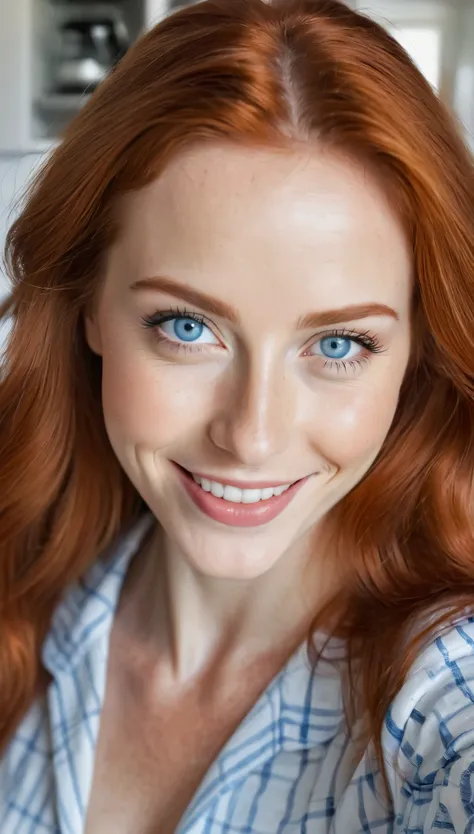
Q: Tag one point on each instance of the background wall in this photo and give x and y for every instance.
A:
(14, 175)
(463, 93)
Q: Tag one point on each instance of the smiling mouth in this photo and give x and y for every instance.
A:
(235, 495)
(238, 506)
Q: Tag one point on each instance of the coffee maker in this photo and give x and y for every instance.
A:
(89, 47)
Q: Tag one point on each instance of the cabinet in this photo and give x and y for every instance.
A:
(32, 113)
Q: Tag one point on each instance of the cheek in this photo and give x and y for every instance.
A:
(357, 422)
(151, 403)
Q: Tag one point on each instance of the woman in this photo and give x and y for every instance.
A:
(237, 444)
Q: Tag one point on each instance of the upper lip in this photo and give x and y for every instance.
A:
(241, 484)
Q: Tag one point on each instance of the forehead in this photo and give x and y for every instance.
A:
(244, 221)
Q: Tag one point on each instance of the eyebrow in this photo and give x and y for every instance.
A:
(185, 293)
(353, 312)
(219, 308)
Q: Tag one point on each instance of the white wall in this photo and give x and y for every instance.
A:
(464, 79)
(14, 175)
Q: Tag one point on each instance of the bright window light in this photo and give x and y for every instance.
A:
(423, 44)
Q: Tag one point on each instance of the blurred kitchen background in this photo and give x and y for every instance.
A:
(53, 53)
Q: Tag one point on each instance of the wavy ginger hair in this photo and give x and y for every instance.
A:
(265, 74)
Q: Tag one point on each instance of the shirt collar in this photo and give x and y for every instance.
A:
(87, 608)
(298, 711)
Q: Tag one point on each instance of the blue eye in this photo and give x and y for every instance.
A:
(187, 330)
(184, 329)
(345, 349)
(340, 348)
(334, 347)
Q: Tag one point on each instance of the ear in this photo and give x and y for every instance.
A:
(92, 332)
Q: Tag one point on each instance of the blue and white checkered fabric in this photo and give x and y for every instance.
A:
(290, 766)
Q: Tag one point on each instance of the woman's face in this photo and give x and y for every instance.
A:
(254, 325)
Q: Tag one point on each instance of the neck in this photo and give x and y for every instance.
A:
(193, 621)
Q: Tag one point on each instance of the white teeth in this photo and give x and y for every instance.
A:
(251, 496)
(233, 494)
(236, 495)
(217, 489)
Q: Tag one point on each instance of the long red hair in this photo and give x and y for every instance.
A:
(261, 73)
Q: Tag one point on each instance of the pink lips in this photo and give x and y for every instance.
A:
(238, 515)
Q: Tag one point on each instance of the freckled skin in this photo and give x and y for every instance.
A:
(276, 235)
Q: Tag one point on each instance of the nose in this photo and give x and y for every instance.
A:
(255, 414)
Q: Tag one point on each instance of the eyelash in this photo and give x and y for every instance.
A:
(154, 321)
(366, 339)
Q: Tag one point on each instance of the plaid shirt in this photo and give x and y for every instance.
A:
(290, 766)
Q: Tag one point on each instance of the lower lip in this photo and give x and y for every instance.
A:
(238, 515)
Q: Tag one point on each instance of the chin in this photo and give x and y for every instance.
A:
(232, 566)
(224, 554)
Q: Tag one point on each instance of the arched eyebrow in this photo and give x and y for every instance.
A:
(353, 312)
(185, 293)
(216, 307)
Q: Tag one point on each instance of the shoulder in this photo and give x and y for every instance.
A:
(428, 737)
